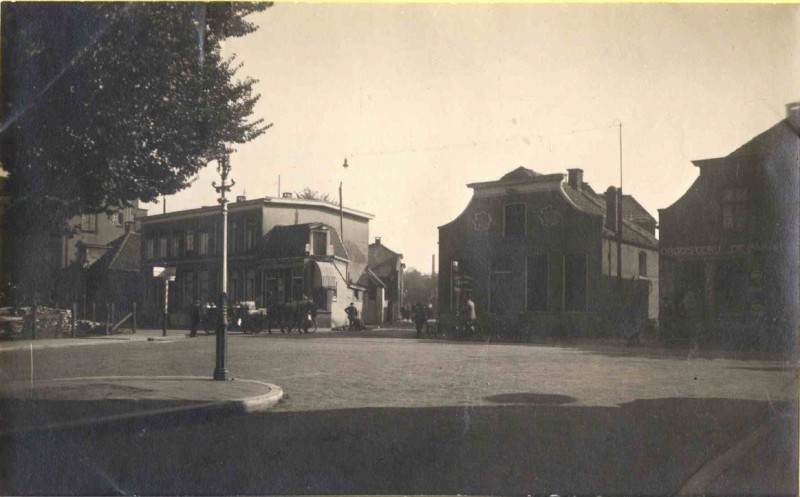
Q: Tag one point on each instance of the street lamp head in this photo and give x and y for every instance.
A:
(455, 264)
(345, 165)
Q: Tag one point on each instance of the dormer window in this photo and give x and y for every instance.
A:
(319, 242)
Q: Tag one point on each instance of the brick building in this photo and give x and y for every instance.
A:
(541, 253)
(729, 260)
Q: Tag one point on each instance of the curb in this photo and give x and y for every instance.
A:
(243, 405)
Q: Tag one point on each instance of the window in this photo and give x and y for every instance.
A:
(297, 287)
(250, 235)
(189, 291)
(202, 245)
(89, 222)
(500, 287)
(162, 247)
(319, 242)
(642, 264)
(514, 221)
(233, 237)
(250, 285)
(115, 219)
(270, 289)
(175, 246)
(575, 275)
(537, 283)
(189, 247)
(734, 208)
(149, 249)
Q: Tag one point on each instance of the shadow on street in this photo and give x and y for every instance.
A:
(526, 445)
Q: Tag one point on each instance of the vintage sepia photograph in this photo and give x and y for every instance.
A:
(399, 248)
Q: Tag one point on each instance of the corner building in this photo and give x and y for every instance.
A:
(279, 249)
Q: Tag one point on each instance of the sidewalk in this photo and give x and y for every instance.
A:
(48, 343)
(76, 402)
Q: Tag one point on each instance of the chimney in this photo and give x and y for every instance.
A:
(241, 198)
(575, 178)
(793, 115)
(377, 240)
(611, 208)
(287, 195)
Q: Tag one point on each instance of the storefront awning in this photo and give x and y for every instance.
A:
(329, 274)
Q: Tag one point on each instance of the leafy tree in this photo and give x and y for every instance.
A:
(309, 194)
(419, 287)
(109, 103)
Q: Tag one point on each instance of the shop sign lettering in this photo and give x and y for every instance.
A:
(715, 250)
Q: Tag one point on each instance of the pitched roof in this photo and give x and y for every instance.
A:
(383, 260)
(590, 202)
(368, 276)
(123, 254)
(767, 141)
(283, 242)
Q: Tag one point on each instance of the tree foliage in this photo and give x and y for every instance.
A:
(309, 194)
(419, 287)
(142, 99)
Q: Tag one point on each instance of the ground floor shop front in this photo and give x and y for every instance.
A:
(738, 297)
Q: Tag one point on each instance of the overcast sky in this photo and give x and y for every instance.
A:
(423, 99)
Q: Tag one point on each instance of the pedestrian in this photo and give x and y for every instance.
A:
(195, 318)
(468, 314)
(420, 318)
(352, 316)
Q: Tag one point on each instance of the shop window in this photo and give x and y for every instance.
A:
(537, 283)
(297, 288)
(250, 285)
(642, 264)
(203, 287)
(575, 284)
(319, 241)
(514, 221)
(731, 282)
(189, 291)
(734, 208)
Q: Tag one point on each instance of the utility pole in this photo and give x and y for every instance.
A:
(224, 169)
(619, 212)
(341, 206)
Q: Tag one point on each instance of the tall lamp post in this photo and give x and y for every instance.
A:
(453, 269)
(341, 206)
(224, 169)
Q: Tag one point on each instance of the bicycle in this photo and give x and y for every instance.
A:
(310, 325)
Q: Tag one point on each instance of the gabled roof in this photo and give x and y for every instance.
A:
(283, 242)
(123, 254)
(633, 210)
